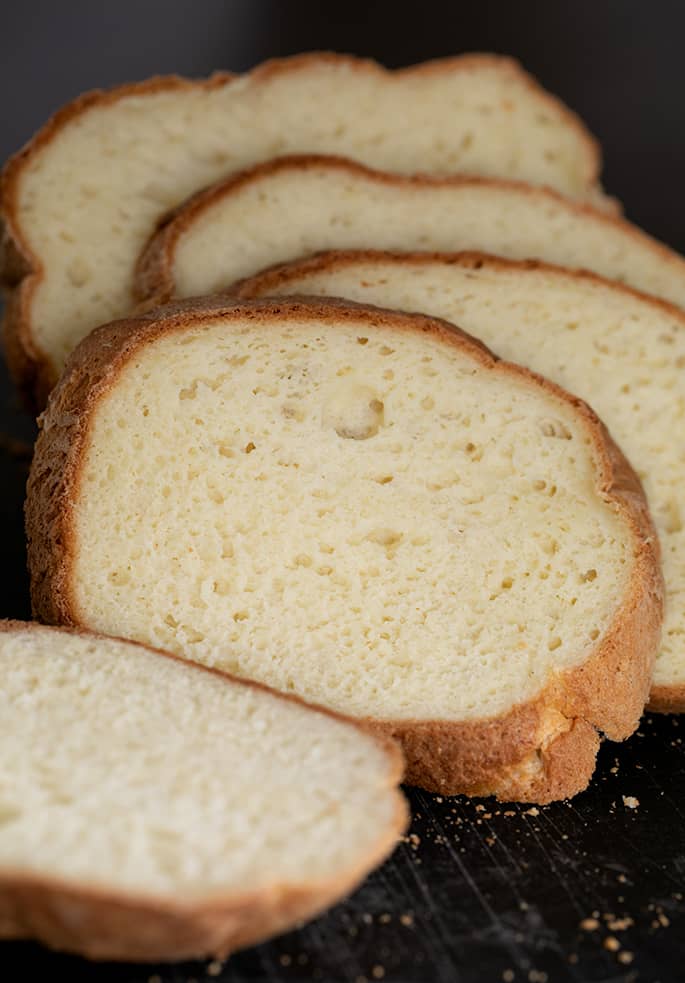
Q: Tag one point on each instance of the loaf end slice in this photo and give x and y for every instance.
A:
(364, 508)
(160, 811)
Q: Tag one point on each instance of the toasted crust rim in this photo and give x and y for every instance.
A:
(130, 925)
(607, 692)
(21, 269)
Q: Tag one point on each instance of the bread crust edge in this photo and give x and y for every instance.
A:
(667, 699)
(555, 733)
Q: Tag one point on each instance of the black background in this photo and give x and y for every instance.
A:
(483, 892)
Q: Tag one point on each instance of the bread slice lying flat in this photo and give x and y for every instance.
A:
(152, 810)
(80, 201)
(623, 352)
(293, 207)
(363, 508)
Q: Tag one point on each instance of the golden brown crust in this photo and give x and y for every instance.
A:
(154, 281)
(556, 731)
(528, 755)
(667, 699)
(31, 367)
(100, 924)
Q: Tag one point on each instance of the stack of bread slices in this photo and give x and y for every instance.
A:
(358, 392)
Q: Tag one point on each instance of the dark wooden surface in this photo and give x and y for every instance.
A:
(586, 891)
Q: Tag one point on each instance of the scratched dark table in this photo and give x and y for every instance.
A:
(586, 891)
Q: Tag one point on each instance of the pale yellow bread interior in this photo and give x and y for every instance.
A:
(623, 353)
(131, 776)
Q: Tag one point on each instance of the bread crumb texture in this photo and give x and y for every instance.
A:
(624, 354)
(138, 775)
(370, 518)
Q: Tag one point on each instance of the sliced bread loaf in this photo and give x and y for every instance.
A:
(363, 508)
(623, 352)
(80, 201)
(153, 810)
(296, 206)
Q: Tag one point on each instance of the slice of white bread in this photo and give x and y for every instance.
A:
(366, 509)
(153, 810)
(80, 201)
(295, 206)
(622, 351)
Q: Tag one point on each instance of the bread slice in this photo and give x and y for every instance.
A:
(297, 206)
(80, 201)
(154, 810)
(363, 508)
(623, 352)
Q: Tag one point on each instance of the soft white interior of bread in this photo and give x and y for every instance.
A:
(93, 195)
(298, 210)
(361, 514)
(127, 771)
(623, 354)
